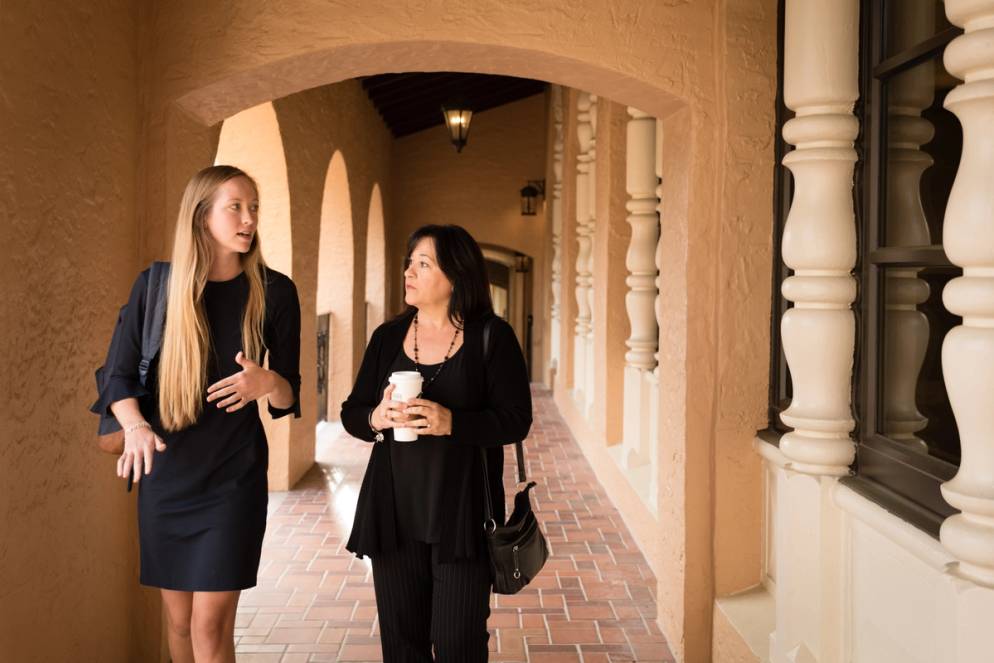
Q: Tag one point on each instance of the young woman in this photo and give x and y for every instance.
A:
(193, 440)
(420, 509)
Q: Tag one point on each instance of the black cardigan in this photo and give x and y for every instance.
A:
(501, 414)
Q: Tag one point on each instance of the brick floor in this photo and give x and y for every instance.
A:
(593, 602)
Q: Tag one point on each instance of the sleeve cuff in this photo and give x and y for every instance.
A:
(118, 388)
(277, 412)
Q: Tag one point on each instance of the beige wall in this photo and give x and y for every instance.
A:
(477, 188)
(69, 124)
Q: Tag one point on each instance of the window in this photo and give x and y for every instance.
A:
(908, 149)
(780, 385)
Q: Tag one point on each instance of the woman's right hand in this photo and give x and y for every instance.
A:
(140, 446)
(389, 413)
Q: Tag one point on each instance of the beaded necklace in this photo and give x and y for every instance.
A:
(417, 365)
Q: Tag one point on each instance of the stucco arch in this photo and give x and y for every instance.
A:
(336, 279)
(375, 263)
(226, 95)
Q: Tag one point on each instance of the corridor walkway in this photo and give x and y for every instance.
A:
(593, 602)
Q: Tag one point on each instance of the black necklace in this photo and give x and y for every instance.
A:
(417, 365)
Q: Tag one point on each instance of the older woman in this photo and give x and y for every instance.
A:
(420, 510)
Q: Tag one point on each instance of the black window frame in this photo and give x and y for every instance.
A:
(903, 482)
(780, 388)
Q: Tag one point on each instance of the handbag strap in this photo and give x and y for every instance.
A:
(519, 448)
(488, 506)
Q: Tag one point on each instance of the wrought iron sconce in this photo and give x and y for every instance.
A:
(529, 197)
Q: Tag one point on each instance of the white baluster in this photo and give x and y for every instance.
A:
(557, 221)
(583, 327)
(640, 259)
(968, 239)
(906, 329)
(591, 159)
(641, 298)
(658, 259)
(819, 239)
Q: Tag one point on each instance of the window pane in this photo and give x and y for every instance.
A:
(923, 142)
(914, 408)
(907, 23)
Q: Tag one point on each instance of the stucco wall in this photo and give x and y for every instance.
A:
(477, 188)
(69, 125)
(743, 257)
(611, 325)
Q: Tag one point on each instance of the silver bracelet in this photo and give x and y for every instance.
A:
(133, 427)
(377, 434)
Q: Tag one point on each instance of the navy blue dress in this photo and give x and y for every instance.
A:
(202, 510)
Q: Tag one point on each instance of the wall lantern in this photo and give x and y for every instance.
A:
(457, 116)
(529, 197)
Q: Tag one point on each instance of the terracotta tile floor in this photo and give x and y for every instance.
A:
(593, 601)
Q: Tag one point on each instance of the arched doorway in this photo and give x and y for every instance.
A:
(335, 286)
(511, 291)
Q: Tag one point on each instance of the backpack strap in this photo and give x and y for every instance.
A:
(519, 448)
(155, 316)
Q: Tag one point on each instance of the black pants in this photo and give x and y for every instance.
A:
(423, 603)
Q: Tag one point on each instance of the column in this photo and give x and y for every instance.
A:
(640, 300)
(557, 219)
(583, 326)
(968, 239)
(819, 240)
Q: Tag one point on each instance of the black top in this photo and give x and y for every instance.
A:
(498, 411)
(202, 510)
(420, 465)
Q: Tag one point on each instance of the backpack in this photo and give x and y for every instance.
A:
(110, 437)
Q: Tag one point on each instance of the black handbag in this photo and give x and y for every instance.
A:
(518, 548)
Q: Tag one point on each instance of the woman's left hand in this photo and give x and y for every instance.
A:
(250, 384)
(432, 418)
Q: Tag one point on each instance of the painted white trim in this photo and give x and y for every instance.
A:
(752, 614)
(771, 453)
(900, 532)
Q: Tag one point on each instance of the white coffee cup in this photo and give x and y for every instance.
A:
(407, 386)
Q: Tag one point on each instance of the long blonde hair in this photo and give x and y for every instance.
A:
(186, 341)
